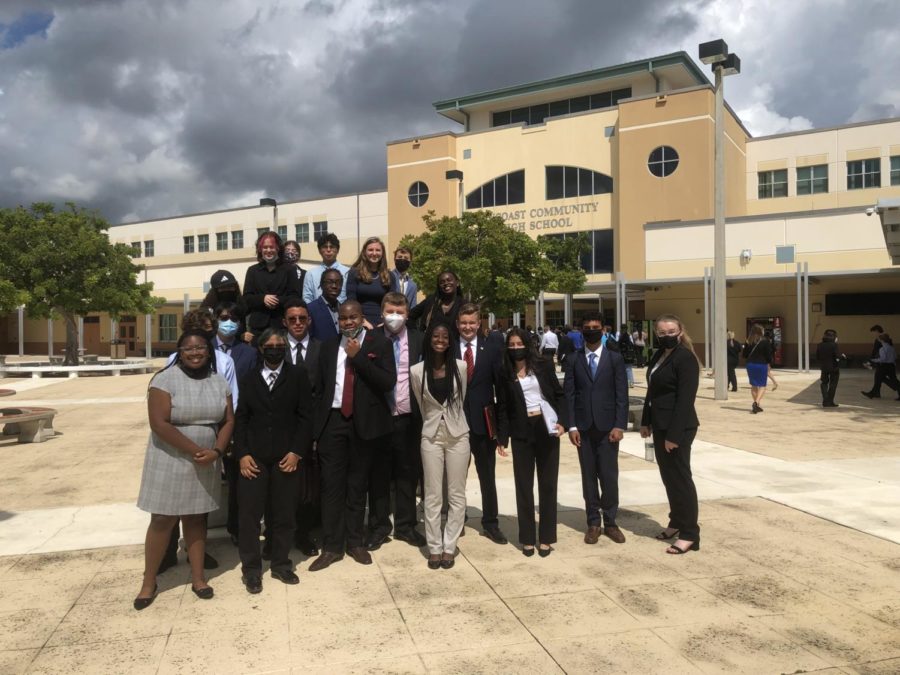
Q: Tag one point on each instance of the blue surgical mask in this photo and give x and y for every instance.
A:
(227, 328)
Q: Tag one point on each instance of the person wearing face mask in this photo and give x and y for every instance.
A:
(369, 280)
(399, 459)
(268, 284)
(292, 257)
(405, 283)
(673, 376)
(356, 373)
(531, 409)
(596, 390)
(272, 436)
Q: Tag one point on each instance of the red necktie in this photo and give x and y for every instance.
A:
(470, 362)
(347, 394)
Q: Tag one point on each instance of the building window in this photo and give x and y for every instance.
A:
(895, 170)
(168, 327)
(221, 241)
(320, 229)
(136, 245)
(282, 232)
(418, 194)
(772, 184)
(506, 189)
(663, 161)
(237, 239)
(812, 180)
(864, 173)
(148, 249)
(260, 231)
(599, 258)
(189, 244)
(574, 181)
(301, 233)
(203, 243)
(537, 113)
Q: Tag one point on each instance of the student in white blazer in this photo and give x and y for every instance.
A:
(438, 383)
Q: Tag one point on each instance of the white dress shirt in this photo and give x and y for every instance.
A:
(338, 397)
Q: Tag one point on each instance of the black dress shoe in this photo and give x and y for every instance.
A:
(203, 593)
(528, 552)
(307, 547)
(376, 539)
(869, 394)
(544, 552)
(360, 555)
(413, 538)
(253, 583)
(494, 534)
(325, 559)
(144, 603)
(286, 577)
(447, 563)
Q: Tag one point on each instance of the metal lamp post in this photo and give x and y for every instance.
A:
(715, 53)
(268, 201)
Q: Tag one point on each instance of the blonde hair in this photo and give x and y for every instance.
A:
(685, 338)
(362, 264)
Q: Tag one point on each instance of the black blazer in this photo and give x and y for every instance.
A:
(601, 402)
(829, 356)
(323, 326)
(269, 424)
(734, 353)
(512, 415)
(376, 377)
(310, 359)
(259, 282)
(671, 391)
(429, 311)
(480, 392)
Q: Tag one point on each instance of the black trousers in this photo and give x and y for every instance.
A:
(540, 450)
(549, 353)
(732, 377)
(599, 460)
(828, 382)
(484, 450)
(344, 461)
(675, 471)
(279, 490)
(399, 459)
(885, 373)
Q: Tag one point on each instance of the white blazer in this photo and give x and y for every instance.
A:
(432, 411)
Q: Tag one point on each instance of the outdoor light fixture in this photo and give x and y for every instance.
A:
(713, 51)
(454, 174)
(730, 66)
(267, 201)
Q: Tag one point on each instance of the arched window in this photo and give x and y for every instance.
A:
(503, 190)
(575, 181)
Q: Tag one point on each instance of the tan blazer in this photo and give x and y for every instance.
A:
(432, 411)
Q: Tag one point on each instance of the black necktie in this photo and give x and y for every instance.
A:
(300, 358)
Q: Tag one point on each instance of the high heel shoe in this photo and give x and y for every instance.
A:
(144, 603)
(544, 552)
(677, 550)
(203, 593)
(528, 552)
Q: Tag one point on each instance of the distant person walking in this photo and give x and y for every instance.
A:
(549, 344)
(829, 357)
(733, 348)
(758, 352)
(885, 368)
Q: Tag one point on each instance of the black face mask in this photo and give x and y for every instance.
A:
(518, 353)
(592, 335)
(273, 355)
(668, 341)
(402, 264)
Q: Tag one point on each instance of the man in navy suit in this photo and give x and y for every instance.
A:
(323, 311)
(405, 283)
(483, 357)
(596, 390)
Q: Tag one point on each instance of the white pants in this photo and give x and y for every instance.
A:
(444, 451)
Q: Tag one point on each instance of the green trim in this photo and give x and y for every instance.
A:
(642, 66)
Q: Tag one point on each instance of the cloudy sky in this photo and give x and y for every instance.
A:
(145, 109)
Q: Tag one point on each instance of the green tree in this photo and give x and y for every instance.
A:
(564, 252)
(498, 267)
(61, 264)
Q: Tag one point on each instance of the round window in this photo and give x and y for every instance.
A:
(663, 161)
(418, 193)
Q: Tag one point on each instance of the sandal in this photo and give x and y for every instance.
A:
(662, 536)
(677, 550)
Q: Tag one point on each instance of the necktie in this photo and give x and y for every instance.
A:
(393, 397)
(347, 394)
(272, 377)
(300, 358)
(224, 348)
(470, 362)
(593, 365)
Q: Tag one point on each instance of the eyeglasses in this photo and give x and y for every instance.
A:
(297, 319)
(193, 350)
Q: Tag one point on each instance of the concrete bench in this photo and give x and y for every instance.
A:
(31, 425)
(635, 408)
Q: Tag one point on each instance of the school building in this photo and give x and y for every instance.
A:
(624, 154)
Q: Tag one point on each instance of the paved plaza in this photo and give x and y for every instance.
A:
(799, 569)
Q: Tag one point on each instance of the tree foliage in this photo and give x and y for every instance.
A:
(498, 267)
(61, 264)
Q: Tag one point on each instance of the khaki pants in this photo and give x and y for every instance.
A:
(440, 453)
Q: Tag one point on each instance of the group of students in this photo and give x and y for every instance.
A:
(398, 398)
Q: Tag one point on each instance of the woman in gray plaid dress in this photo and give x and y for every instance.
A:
(191, 421)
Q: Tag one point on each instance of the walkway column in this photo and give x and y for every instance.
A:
(21, 330)
(799, 276)
(187, 303)
(80, 336)
(49, 337)
(517, 319)
(706, 321)
(567, 309)
(148, 335)
(806, 315)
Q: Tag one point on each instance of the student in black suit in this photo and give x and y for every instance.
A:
(272, 435)
(355, 376)
(673, 377)
(829, 356)
(323, 311)
(483, 358)
(268, 284)
(530, 403)
(734, 349)
(399, 458)
(301, 347)
(596, 389)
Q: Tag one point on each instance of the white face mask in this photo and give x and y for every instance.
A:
(394, 322)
